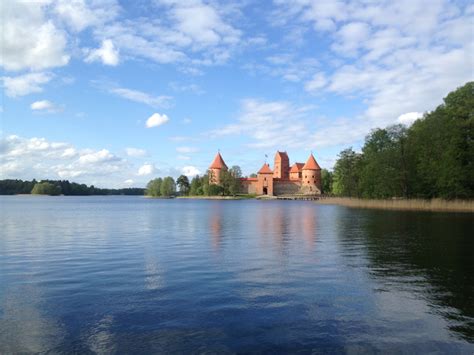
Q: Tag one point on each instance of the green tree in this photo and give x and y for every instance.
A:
(346, 174)
(195, 186)
(326, 181)
(183, 184)
(168, 187)
(46, 188)
(234, 183)
(153, 188)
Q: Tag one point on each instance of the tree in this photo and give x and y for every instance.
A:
(326, 181)
(195, 186)
(235, 175)
(153, 188)
(168, 187)
(183, 183)
(346, 178)
(46, 188)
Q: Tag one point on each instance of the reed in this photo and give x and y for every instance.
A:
(402, 204)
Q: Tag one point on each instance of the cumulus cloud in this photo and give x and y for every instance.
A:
(190, 171)
(29, 40)
(25, 84)
(128, 182)
(146, 169)
(142, 97)
(44, 106)
(156, 120)
(39, 158)
(107, 53)
(409, 117)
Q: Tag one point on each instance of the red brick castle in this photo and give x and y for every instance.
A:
(298, 179)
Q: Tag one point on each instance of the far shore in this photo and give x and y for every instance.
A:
(435, 205)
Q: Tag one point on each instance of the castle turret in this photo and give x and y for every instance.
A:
(218, 165)
(265, 181)
(281, 168)
(311, 177)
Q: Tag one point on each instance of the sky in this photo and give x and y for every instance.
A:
(115, 93)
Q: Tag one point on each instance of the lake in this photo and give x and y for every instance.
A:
(129, 274)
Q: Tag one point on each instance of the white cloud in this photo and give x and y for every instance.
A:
(25, 84)
(405, 56)
(108, 54)
(69, 153)
(187, 150)
(135, 152)
(28, 158)
(79, 15)
(192, 32)
(156, 120)
(29, 40)
(270, 124)
(350, 37)
(100, 156)
(142, 97)
(190, 171)
(41, 105)
(409, 117)
(44, 106)
(146, 169)
(128, 182)
(317, 82)
(183, 157)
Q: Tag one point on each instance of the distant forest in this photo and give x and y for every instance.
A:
(433, 158)
(60, 187)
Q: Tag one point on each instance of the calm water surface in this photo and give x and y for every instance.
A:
(129, 274)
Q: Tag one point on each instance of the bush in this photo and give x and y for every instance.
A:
(46, 188)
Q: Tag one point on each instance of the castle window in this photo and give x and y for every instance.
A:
(312, 176)
(308, 182)
(265, 179)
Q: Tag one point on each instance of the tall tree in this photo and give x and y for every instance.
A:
(153, 188)
(183, 184)
(168, 187)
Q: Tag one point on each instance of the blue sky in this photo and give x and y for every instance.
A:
(114, 93)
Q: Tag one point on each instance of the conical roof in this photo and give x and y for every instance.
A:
(296, 167)
(218, 162)
(311, 164)
(265, 169)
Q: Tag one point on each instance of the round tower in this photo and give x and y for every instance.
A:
(311, 177)
(218, 165)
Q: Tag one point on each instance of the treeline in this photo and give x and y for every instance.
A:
(229, 184)
(59, 187)
(433, 158)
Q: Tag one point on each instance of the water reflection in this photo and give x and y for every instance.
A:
(429, 255)
(105, 275)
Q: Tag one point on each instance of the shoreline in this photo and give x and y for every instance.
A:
(433, 205)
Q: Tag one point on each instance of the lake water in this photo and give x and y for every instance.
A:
(129, 274)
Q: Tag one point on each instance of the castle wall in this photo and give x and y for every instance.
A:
(286, 187)
(248, 186)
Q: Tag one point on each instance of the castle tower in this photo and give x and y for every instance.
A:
(311, 177)
(265, 181)
(218, 165)
(282, 166)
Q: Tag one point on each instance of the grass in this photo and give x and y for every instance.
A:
(238, 197)
(410, 204)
